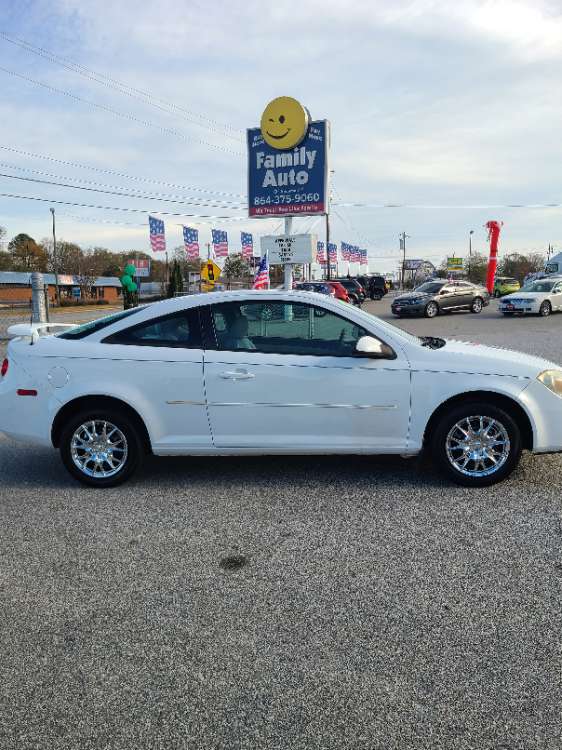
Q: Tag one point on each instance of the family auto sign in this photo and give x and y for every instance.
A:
(288, 162)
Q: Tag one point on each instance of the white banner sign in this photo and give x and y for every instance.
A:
(289, 248)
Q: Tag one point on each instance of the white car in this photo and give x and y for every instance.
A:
(240, 373)
(538, 297)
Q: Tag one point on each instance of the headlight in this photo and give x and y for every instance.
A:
(553, 380)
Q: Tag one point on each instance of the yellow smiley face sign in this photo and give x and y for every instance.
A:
(284, 123)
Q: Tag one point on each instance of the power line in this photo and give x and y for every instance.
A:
(162, 196)
(449, 206)
(143, 96)
(119, 193)
(124, 115)
(121, 208)
(123, 175)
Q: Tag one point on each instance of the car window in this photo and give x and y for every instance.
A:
(178, 330)
(284, 328)
(80, 332)
(431, 287)
(557, 289)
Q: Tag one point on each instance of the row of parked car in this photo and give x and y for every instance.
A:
(352, 290)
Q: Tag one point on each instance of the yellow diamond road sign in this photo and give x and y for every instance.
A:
(210, 271)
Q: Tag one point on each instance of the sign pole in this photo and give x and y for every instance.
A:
(288, 267)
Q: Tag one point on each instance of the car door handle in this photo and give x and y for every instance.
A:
(237, 375)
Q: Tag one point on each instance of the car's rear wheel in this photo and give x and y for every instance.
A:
(477, 305)
(545, 309)
(101, 448)
(431, 309)
(476, 444)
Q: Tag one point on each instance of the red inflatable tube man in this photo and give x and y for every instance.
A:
(493, 228)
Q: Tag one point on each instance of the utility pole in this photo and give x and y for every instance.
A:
(55, 262)
(471, 232)
(403, 248)
(328, 272)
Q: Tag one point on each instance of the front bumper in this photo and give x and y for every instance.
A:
(402, 309)
(529, 308)
(544, 409)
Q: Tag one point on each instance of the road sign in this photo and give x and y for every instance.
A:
(285, 182)
(210, 272)
(142, 267)
(289, 248)
(455, 264)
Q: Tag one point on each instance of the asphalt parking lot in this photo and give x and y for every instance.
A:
(376, 606)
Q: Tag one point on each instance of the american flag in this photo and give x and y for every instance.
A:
(261, 280)
(364, 258)
(355, 254)
(247, 245)
(345, 251)
(220, 243)
(157, 236)
(320, 253)
(332, 252)
(191, 243)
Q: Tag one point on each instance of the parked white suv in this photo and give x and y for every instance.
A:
(273, 373)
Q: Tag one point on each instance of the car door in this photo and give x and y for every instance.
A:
(283, 378)
(161, 361)
(464, 294)
(447, 298)
(556, 296)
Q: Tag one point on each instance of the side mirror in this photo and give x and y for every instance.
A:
(444, 291)
(372, 348)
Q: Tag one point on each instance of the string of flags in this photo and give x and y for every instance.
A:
(349, 253)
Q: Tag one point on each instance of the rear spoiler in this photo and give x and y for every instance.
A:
(32, 330)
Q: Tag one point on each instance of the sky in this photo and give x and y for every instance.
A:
(450, 110)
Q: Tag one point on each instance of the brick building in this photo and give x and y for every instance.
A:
(15, 287)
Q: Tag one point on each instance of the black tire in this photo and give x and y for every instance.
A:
(124, 424)
(431, 310)
(545, 309)
(477, 305)
(438, 443)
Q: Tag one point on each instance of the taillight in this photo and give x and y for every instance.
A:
(4, 368)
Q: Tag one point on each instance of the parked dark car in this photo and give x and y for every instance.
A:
(357, 294)
(375, 286)
(316, 286)
(434, 297)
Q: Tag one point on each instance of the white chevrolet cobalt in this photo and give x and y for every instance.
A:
(245, 372)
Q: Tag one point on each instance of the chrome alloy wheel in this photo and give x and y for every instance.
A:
(99, 449)
(478, 446)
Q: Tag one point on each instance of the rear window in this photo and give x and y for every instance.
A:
(80, 332)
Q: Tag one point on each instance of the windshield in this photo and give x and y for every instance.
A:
(539, 286)
(430, 287)
(86, 329)
(393, 330)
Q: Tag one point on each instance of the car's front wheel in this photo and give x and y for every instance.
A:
(477, 305)
(431, 309)
(545, 309)
(101, 448)
(476, 444)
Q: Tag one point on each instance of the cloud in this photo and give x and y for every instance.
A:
(431, 102)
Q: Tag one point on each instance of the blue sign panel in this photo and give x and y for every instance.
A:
(288, 182)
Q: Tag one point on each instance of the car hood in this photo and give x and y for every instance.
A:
(524, 295)
(412, 295)
(466, 357)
